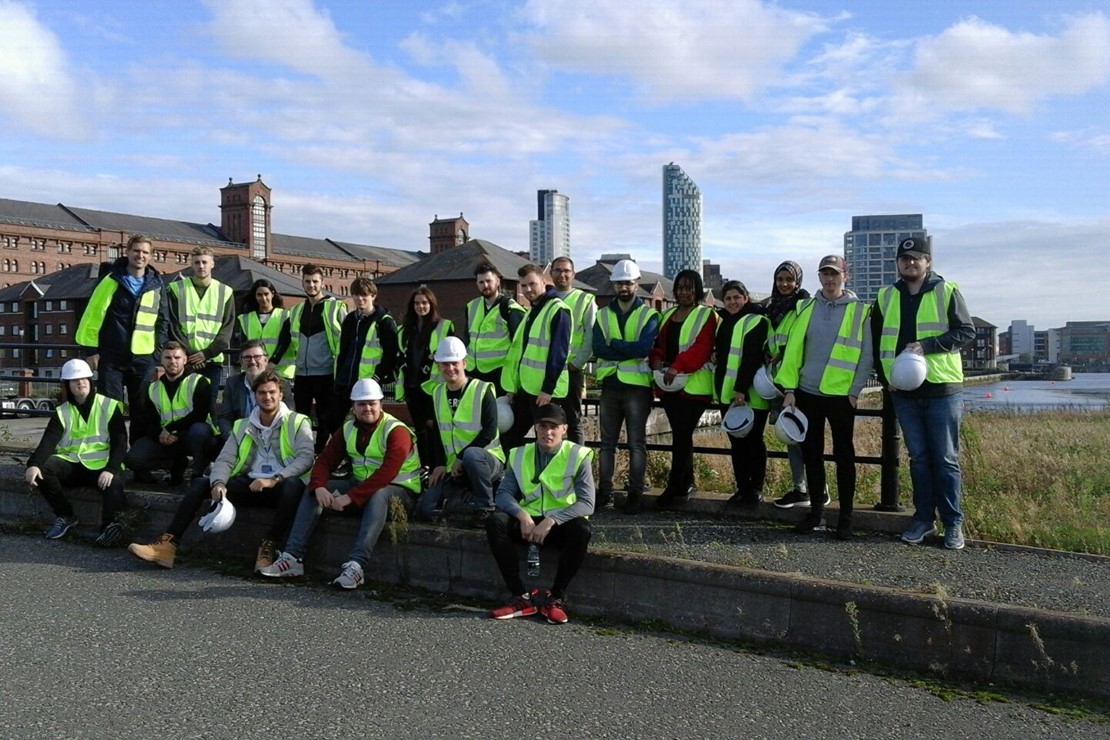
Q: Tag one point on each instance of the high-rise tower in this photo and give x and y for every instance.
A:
(549, 234)
(681, 222)
(870, 248)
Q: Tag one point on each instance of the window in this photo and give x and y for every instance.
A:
(258, 228)
(182, 258)
(11, 242)
(38, 245)
(3, 329)
(90, 250)
(48, 373)
(50, 305)
(49, 353)
(62, 305)
(65, 247)
(159, 255)
(49, 330)
(63, 329)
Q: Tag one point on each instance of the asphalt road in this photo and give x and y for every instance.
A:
(97, 645)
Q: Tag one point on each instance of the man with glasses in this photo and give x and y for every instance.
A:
(239, 399)
(583, 313)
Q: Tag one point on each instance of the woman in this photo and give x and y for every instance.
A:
(683, 346)
(421, 332)
(781, 310)
(261, 318)
(741, 338)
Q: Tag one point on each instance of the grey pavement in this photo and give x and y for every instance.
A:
(98, 645)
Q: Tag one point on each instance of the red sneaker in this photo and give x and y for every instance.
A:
(553, 610)
(520, 606)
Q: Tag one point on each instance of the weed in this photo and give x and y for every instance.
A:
(852, 611)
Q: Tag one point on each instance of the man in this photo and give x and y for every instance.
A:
(825, 365)
(466, 454)
(260, 465)
(239, 397)
(545, 498)
(535, 372)
(925, 314)
(622, 338)
(384, 467)
(583, 313)
(124, 325)
(177, 421)
(201, 317)
(311, 338)
(83, 445)
(491, 323)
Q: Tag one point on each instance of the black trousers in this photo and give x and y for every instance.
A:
(749, 454)
(841, 416)
(683, 413)
(313, 388)
(573, 539)
(285, 498)
(59, 474)
(573, 406)
(422, 410)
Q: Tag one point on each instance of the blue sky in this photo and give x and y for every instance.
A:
(369, 117)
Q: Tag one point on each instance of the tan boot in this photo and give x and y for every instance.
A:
(265, 557)
(161, 552)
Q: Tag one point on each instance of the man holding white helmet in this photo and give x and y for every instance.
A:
(622, 338)
(925, 315)
(466, 454)
(384, 466)
(83, 445)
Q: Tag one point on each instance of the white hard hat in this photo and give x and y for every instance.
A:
(791, 426)
(76, 369)
(764, 386)
(367, 389)
(505, 416)
(450, 349)
(625, 270)
(221, 517)
(677, 384)
(738, 421)
(908, 371)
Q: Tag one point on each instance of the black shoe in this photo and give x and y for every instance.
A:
(632, 503)
(814, 521)
(792, 499)
(110, 535)
(844, 527)
(668, 502)
(746, 500)
(144, 476)
(603, 500)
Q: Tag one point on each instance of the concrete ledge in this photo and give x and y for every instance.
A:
(1034, 649)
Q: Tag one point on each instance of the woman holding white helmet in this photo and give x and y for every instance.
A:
(83, 445)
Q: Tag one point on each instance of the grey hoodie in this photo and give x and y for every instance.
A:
(824, 324)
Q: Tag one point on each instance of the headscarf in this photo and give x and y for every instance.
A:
(779, 305)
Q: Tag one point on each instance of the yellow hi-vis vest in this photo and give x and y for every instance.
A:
(526, 364)
(178, 407)
(632, 371)
(581, 336)
(268, 334)
(553, 488)
(489, 334)
(932, 321)
(86, 441)
(735, 357)
(201, 318)
(243, 434)
(458, 429)
(699, 382)
(776, 339)
(145, 317)
(441, 331)
(365, 463)
(840, 370)
(334, 311)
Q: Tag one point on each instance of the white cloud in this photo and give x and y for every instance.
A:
(1089, 140)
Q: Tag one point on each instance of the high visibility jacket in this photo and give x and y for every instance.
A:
(632, 371)
(334, 311)
(526, 366)
(699, 382)
(489, 334)
(145, 317)
(735, 357)
(86, 441)
(201, 317)
(581, 335)
(776, 338)
(243, 434)
(441, 331)
(268, 334)
(840, 370)
(180, 405)
(459, 428)
(932, 321)
(365, 463)
(552, 488)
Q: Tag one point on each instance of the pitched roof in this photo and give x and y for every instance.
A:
(23, 213)
(597, 276)
(240, 273)
(162, 229)
(68, 284)
(457, 263)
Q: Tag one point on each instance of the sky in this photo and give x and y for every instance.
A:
(369, 118)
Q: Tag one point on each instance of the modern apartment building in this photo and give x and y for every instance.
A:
(681, 222)
(549, 233)
(869, 250)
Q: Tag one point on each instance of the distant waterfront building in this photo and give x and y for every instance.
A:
(869, 250)
(1022, 339)
(982, 354)
(549, 234)
(711, 275)
(1085, 343)
(681, 222)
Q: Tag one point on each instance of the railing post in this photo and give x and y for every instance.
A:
(888, 470)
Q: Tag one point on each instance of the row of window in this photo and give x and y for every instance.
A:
(63, 330)
(39, 245)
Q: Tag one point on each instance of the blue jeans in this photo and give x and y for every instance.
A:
(931, 428)
(375, 512)
(629, 405)
(481, 471)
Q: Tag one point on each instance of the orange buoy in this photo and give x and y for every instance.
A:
(1005, 388)
(987, 395)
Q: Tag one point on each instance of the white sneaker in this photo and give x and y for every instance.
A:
(286, 566)
(350, 577)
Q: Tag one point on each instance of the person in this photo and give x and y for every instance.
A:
(741, 338)
(262, 318)
(684, 345)
(367, 349)
(545, 498)
(310, 339)
(623, 335)
(200, 315)
(83, 445)
(535, 372)
(466, 452)
(239, 398)
(491, 323)
(384, 467)
(123, 327)
(825, 365)
(421, 333)
(781, 310)
(925, 314)
(261, 464)
(583, 314)
(178, 422)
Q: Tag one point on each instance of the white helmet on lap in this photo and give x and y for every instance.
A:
(221, 517)
(791, 427)
(738, 421)
(624, 270)
(908, 371)
(505, 416)
(765, 385)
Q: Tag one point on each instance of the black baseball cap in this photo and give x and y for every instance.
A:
(551, 413)
(919, 244)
